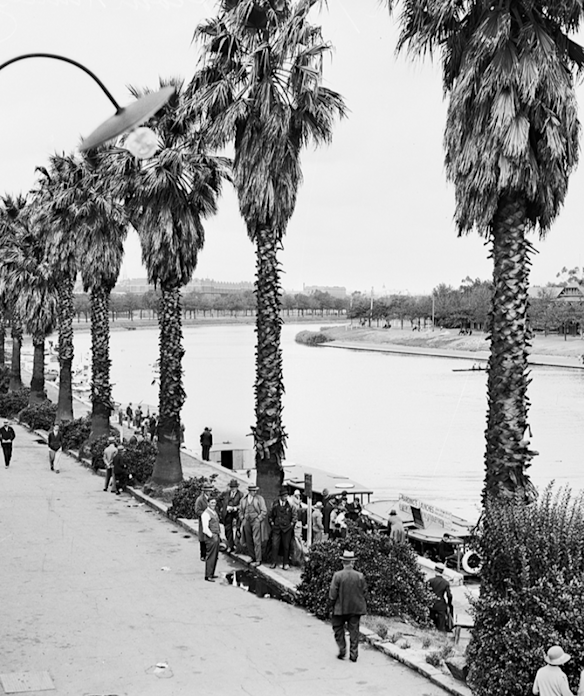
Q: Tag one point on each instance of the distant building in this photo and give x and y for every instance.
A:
(333, 290)
(573, 292)
(205, 286)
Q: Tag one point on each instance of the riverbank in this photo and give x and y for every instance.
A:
(545, 350)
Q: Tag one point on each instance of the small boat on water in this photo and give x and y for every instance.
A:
(478, 368)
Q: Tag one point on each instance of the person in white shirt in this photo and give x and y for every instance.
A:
(551, 680)
(108, 459)
(211, 532)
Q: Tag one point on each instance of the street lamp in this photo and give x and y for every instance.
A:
(125, 119)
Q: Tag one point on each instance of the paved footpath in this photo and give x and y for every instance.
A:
(97, 590)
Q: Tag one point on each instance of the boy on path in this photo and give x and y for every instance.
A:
(55, 443)
(7, 436)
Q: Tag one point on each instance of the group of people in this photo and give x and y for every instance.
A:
(145, 423)
(116, 470)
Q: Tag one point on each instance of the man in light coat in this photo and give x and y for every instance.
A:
(252, 512)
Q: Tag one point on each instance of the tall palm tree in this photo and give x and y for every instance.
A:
(101, 228)
(260, 86)
(511, 144)
(168, 196)
(34, 291)
(61, 249)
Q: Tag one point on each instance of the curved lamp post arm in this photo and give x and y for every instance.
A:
(125, 119)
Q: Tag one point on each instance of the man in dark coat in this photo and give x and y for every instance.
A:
(282, 520)
(120, 477)
(230, 511)
(347, 596)
(7, 436)
(443, 599)
(328, 507)
(201, 504)
(206, 440)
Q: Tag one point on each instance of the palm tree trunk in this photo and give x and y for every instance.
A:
(507, 457)
(101, 399)
(16, 333)
(269, 434)
(167, 468)
(37, 384)
(65, 317)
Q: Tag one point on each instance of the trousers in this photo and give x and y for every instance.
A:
(285, 537)
(352, 622)
(7, 449)
(212, 547)
(252, 538)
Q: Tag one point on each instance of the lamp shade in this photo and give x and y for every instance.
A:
(127, 118)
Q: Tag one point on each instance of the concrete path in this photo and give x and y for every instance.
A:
(97, 590)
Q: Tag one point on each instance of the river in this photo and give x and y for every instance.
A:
(397, 423)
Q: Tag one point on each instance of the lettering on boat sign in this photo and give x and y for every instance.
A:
(430, 513)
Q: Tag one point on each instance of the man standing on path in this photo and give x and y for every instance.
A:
(551, 680)
(282, 520)
(206, 443)
(108, 459)
(230, 511)
(211, 530)
(7, 435)
(347, 595)
(443, 600)
(252, 512)
(201, 504)
(55, 443)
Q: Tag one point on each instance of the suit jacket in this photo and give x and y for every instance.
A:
(283, 517)
(347, 591)
(259, 510)
(228, 501)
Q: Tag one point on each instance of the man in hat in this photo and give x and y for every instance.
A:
(317, 523)
(108, 459)
(442, 600)
(201, 504)
(347, 596)
(209, 523)
(230, 510)
(252, 512)
(7, 436)
(282, 520)
(206, 440)
(551, 680)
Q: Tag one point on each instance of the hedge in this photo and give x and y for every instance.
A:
(12, 402)
(39, 416)
(183, 502)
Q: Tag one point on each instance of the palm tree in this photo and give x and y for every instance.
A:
(260, 86)
(511, 143)
(101, 228)
(167, 197)
(34, 291)
(61, 249)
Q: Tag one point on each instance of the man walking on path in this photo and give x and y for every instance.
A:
(252, 512)
(347, 595)
(212, 532)
(7, 435)
(551, 680)
(108, 459)
(443, 601)
(201, 504)
(55, 443)
(120, 477)
(282, 520)
(206, 443)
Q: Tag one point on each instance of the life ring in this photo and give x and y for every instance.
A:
(471, 562)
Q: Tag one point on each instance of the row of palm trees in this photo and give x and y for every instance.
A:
(511, 143)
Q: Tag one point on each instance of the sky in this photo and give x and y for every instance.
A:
(374, 212)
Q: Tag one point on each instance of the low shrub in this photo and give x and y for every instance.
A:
(396, 585)
(312, 338)
(183, 502)
(39, 416)
(94, 451)
(76, 432)
(12, 402)
(140, 460)
(532, 593)
(381, 629)
(434, 659)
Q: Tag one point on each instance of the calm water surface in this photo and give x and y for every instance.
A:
(397, 423)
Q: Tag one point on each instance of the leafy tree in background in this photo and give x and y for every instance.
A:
(511, 144)
(261, 88)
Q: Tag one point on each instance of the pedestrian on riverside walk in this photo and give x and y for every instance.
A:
(55, 443)
(282, 518)
(442, 600)
(7, 436)
(230, 511)
(347, 595)
(130, 414)
(206, 440)
(551, 679)
(209, 523)
(120, 477)
(108, 459)
(252, 513)
(201, 504)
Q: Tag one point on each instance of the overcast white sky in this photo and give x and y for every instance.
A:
(374, 210)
